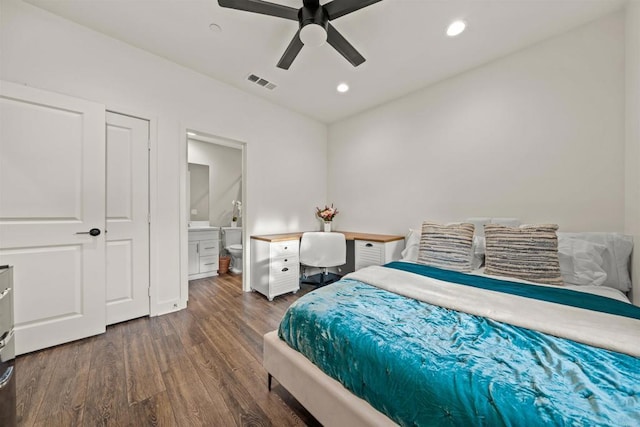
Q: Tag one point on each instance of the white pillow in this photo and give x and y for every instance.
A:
(478, 239)
(477, 250)
(411, 246)
(479, 223)
(581, 262)
(615, 260)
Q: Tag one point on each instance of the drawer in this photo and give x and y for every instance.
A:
(283, 249)
(209, 248)
(208, 263)
(292, 262)
(203, 235)
(368, 253)
(284, 273)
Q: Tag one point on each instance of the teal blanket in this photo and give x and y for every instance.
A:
(424, 365)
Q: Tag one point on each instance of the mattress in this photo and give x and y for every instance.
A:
(423, 364)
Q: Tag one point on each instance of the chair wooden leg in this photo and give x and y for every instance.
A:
(269, 378)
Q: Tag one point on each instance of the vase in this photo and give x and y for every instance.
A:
(327, 226)
(234, 223)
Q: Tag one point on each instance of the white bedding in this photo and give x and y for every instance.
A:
(603, 330)
(603, 291)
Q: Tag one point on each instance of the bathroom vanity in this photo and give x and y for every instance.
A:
(204, 249)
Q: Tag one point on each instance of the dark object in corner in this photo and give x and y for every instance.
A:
(320, 279)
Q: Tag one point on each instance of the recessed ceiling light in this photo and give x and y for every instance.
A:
(215, 27)
(191, 134)
(342, 87)
(456, 27)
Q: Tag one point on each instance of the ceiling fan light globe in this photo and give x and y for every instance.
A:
(313, 35)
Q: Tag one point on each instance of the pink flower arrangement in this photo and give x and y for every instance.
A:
(327, 213)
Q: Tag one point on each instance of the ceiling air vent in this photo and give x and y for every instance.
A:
(261, 82)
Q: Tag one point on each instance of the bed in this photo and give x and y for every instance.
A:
(413, 344)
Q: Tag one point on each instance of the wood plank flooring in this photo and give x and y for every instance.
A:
(198, 367)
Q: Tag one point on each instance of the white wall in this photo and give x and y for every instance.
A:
(44, 51)
(537, 135)
(632, 178)
(225, 178)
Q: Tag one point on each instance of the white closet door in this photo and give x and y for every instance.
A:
(127, 218)
(52, 187)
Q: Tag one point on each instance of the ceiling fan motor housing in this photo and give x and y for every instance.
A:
(316, 15)
(314, 22)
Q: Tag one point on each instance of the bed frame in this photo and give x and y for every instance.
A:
(325, 398)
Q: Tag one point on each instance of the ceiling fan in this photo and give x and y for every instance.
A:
(314, 26)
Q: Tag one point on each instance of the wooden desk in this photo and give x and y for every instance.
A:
(275, 259)
(349, 235)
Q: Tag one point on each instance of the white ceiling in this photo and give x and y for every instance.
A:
(403, 41)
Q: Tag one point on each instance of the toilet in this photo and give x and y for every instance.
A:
(232, 242)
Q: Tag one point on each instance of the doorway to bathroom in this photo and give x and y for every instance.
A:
(215, 206)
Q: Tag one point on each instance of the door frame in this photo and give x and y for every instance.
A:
(205, 136)
(155, 307)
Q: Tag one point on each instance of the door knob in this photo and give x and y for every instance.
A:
(94, 232)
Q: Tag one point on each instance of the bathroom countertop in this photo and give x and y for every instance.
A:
(204, 228)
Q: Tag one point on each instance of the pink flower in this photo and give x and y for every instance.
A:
(327, 214)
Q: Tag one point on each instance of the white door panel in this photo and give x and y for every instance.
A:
(127, 218)
(64, 263)
(52, 186)
(119, 271)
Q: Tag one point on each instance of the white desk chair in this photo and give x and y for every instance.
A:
(322, 250)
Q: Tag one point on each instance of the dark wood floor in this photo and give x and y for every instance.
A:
(199, 366)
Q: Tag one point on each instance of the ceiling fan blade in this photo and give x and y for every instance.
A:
(292, 51)
(262, 7)
(338, 8)
(343, 47)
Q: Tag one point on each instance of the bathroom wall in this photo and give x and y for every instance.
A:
(225, 177)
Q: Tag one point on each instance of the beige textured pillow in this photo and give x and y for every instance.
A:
(446, 246)
(528, 252)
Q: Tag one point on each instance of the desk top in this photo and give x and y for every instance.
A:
(349, 235)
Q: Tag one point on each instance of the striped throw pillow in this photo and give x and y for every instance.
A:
(446, 246)
(528, 252)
